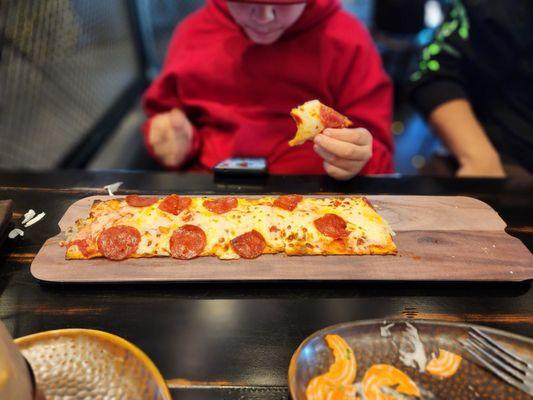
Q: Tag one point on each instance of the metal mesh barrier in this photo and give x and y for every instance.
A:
(166, 14)
(62, 64)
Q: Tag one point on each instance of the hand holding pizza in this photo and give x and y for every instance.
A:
(345, 151)
(171, 137)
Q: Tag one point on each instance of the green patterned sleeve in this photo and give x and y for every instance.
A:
(440, 75)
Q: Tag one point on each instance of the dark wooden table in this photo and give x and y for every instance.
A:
(234, 340)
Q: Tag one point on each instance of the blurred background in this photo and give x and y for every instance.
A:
(72, 73)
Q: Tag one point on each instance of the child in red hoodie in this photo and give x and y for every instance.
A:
(235, 69)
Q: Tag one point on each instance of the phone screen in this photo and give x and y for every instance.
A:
(242, 166)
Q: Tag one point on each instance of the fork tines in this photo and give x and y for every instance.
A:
(503, 363)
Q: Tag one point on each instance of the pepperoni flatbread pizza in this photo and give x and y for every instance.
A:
(185, 227)
(312, 118)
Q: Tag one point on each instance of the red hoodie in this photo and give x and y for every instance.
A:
(238, 94)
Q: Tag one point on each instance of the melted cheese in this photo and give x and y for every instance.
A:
(308, 122)
(291, 232)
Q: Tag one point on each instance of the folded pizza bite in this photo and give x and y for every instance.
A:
(185, 227)
(312, 118)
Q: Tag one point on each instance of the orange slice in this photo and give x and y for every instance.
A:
(445, 365)
(340, 375)
(321, 389)
(384, 375)
(342, 393)
(344, 368)
(318, 389)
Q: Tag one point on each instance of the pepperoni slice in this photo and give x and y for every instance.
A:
(333, 119)
(119, 242)
(187, 242)
(175, 204)
(139, 201)
(249, 245)
(288, 202)
(82, 246)
(221, 205)
(331, 225)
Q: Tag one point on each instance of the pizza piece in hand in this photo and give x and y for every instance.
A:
(312, 118)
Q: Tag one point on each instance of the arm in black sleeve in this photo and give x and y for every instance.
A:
(441, 77)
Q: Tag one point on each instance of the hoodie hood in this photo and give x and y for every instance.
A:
(315, 12)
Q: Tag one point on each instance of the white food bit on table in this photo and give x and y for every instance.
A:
(29, 215)
(112, 188)
(385, 330)
(412, 349)
(15, 232)
(35, 219)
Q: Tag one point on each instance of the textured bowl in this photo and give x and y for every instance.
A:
(87, 364)
(313, 358)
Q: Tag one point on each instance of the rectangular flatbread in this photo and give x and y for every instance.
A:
(228, 227)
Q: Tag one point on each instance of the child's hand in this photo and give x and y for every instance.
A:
(171, 137)
(345, 151)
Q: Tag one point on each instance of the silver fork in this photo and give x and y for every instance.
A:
(500, 361)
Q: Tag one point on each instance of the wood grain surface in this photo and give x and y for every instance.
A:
(440, 238)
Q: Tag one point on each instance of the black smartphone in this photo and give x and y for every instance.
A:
(242, 166)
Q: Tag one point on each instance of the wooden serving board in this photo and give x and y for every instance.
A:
(438, 239)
